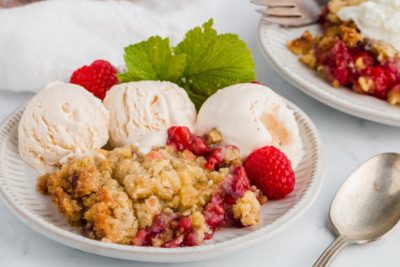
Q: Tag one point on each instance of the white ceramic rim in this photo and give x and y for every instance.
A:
(174, 254)
(327, 97)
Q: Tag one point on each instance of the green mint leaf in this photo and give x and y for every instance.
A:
(214, 61)
(196, 44)
(152, 59)
(202, 63)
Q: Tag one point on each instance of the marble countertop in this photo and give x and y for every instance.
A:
(348, 141)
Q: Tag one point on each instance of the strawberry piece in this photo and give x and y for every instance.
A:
(270, 170)
(97, 78)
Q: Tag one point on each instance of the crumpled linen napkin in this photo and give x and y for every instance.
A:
(47, 40)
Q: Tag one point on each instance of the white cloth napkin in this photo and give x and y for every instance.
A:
(46, 41)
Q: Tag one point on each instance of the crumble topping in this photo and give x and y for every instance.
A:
(344, 57)
(247, 209)
(165, 198)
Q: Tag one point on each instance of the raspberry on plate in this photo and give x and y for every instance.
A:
(97, 78)
(271, 171)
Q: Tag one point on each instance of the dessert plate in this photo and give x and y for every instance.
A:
(273, 41)
(18, 191)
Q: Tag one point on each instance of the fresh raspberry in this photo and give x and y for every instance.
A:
(270, 170)
(97, 78)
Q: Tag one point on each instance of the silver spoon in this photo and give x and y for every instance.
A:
(367, 205)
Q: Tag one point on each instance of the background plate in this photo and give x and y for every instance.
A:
(18, 191)
(273, 41)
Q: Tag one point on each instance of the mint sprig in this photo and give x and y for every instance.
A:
(203, 62)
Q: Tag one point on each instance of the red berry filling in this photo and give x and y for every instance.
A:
(237, 185)
(181, 138)
(214, 212)
(216, 157)
(346, 65)
(267, 168)
(181, 227)
(337, 62)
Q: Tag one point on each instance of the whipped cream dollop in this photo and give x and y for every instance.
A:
(378, 20)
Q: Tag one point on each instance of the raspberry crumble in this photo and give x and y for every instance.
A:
(173, 196)
(344, 57)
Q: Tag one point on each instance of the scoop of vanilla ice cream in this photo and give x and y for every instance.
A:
(251, 116)
(141, 112)
(62, 119)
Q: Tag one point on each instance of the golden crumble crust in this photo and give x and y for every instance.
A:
(116, 194)
(91, 200)
(247, 209)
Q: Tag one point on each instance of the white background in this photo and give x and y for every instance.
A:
(348, 141)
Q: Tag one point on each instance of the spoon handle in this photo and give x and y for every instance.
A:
(326, 258)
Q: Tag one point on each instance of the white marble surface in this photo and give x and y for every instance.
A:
(348, 142)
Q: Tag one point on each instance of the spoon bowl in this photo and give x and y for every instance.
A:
(367, 205)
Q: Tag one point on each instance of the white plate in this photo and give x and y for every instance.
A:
(273, 42)
(18, 191)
